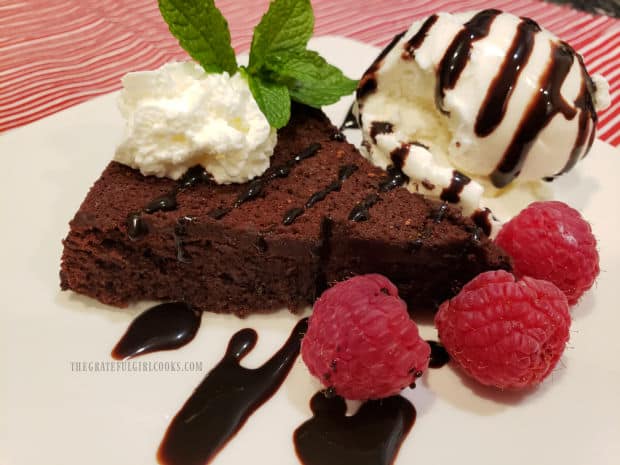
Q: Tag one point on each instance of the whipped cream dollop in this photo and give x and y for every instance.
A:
(178, 116)
(467, 104)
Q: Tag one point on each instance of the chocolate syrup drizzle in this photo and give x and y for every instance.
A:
(162, 327)
(395, 178)
(225, 399)
(256, 186)
(457, 55)
(482, 219)
(137, 227)
(372, 436)
(452, 193)
(418, 38)
(495, 103)
(547, 103)
(361, 211)
(380, 127)
(587, 118)
(180, 230)
(368, 83)
(399, 155)
(440, 213)
(344, 172)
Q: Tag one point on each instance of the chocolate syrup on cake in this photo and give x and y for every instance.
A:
(225, 399)
(482, 219)
(372, 436)
(180, 231)
(162, 327)
(291, 215)
(256, 186)
(361, 211)
(394, 179)
(136, 225)
(344, 172)
(440, 213)
(439, 355)
(165, 203)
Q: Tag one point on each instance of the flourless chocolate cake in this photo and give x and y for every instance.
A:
(320, 214)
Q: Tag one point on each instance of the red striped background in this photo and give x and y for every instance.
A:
(57, 53)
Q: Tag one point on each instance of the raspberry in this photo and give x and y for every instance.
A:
(551, 241)
(505, 333)
(361, 342)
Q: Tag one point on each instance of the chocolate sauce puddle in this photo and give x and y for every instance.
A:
(457, 55)
(372, 436)
(547, 103)
(495, 103)
(225, 399)
(162, 327)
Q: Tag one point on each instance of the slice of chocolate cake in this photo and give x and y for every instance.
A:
(321, 213)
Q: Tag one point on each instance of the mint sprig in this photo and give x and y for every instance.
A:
(280, 67)
(272, 98)
(311, 79)
(202, 31)
(284, 29)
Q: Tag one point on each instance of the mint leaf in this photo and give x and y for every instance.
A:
(272, 98)
(286, 27)
(202, 31)
(311, 79)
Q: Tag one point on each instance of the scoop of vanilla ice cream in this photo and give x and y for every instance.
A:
(465, 104)
(178, 116)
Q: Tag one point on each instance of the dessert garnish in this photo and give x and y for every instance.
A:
(468, 103)
(361, 342)
(280, 67)
(218, 114)
(551, 241)
(162, 327)
(504, 332)
(225, 399)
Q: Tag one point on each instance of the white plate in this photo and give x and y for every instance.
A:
(53, 415)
